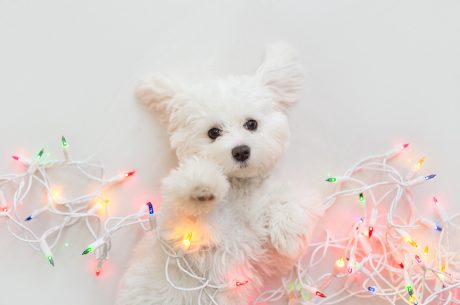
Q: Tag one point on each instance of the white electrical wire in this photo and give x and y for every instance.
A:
(431, 274)
(432, 278)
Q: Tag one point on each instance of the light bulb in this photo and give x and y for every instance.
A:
(320, 294)
(47, 251)
(64, 143)
(130, 173)
(241, 283)
(419, 163)
(98, 243)
(150, 206)
(410, 290)
(40, 154)
(371, 231)
(187, 241)
(340, 262)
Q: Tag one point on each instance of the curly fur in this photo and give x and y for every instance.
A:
(246, 224)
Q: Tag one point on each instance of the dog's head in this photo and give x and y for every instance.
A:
(238, 122)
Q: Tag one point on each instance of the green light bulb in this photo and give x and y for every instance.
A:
(332, 179)
(51, 260)
(40, 153)
(410, 290)
(87, 250)
(64, 142)
(362, 199)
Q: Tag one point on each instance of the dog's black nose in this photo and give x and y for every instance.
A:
(241, 153)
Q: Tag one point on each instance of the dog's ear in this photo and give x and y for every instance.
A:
(282, 72)
(159, 93)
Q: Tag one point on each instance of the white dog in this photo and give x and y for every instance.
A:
(222, 212)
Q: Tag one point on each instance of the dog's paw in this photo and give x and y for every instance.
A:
(289, 226)
(195, 186)
(287, 243)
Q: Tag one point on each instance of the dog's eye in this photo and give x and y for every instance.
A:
(251, 125)
(214, 133)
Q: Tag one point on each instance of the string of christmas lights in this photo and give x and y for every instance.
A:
(387, 252)
(382, 255)
(66, 212)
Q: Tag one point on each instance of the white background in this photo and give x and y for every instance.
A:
(380, 73)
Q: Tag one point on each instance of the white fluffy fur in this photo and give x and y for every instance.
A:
(246, 224)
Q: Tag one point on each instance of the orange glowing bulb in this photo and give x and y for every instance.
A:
(420, 163)
(340, 262)
(186, 242)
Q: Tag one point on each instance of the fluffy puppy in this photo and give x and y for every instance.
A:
(240, 224)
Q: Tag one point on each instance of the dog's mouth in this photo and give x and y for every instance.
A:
(243, 164)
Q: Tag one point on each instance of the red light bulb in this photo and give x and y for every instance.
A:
(320, 294)
(15, 157)
(130, 173)
(371, 230)
(241, 283)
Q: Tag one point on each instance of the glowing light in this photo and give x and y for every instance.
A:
(437, 227)
(64, 143)
(130, 173)
(98, 272)
(413, 300)
(404, 146)
(410, 290)
(420, 163)
(55, 195)
(95, 245)
(425, 251)
(187, 241)
(371, 289)
(401, 265)
(443, 268)
(40, 154)
(331, 179)
(436, 201)
(15, 157)
(350, 270)
(320, 294)
(29, 218)
(418, 259)
(362, 200)
(371, 231)
(408, 240)
(238, 284)
(87, 250)
(51, 260)
(429, 177)
(4, 209)
(340, 262)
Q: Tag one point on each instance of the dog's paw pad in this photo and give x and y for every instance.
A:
(203, 194)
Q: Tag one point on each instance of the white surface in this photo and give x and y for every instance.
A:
(381, 72)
